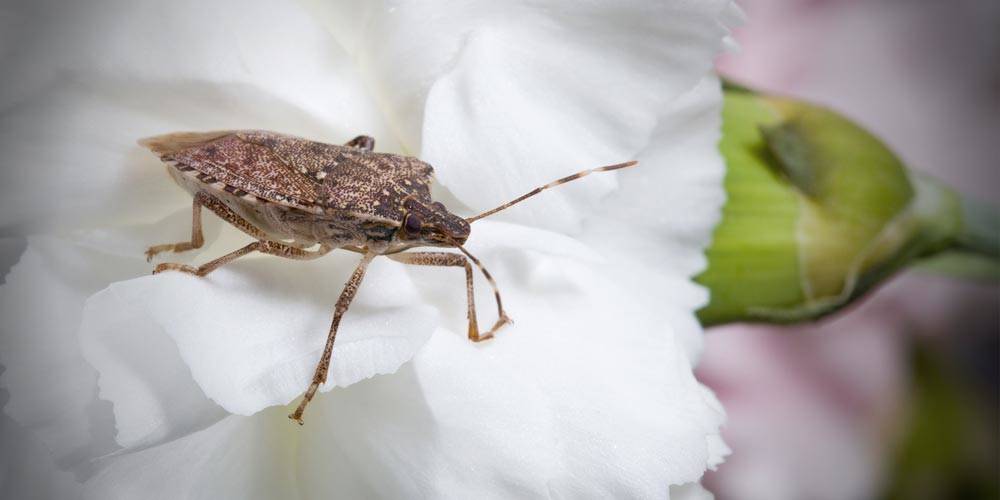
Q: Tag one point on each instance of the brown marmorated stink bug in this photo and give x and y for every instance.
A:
(291, 194)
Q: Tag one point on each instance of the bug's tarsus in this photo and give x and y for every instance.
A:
(552, 184)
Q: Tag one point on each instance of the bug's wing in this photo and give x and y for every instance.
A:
(261, 164)
(296, 172)
(349, 178)
(178, 141)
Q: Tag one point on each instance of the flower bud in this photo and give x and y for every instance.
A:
(818, 212)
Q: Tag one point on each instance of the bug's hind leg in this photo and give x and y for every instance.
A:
(323, 368)
(203, 199)
(204, 269)
(268, 247)
(364, 142)
(446, 259)
(197, 239)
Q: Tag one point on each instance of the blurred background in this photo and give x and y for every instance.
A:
(897, 397)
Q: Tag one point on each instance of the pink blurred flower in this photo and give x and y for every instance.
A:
(814, 410)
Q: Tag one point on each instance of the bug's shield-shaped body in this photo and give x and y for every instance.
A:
(290, 193)
(309, 192)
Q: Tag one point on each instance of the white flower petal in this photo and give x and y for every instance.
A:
(431, 431)
(52, 386)
(28, 468)
(142, 373)
(238, 457)
(10, 252)
(588, 394)
(661, 218)
(501, 98)
(253, 331)
(70, 118)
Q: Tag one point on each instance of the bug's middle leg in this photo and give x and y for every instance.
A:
(446, 259)
(323, 368)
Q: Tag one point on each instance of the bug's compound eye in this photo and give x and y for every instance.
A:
(412, 224)
(438, 206)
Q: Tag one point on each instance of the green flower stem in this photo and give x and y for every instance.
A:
(980, 230)
(819, 212)
(975, 252)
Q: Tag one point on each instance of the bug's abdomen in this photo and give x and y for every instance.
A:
(261, 214)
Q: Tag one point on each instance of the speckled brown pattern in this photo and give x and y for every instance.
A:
(307, 191)
(304, 174)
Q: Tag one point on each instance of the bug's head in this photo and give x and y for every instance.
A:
(432, 225)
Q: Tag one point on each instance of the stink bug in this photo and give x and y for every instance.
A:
(291, 194)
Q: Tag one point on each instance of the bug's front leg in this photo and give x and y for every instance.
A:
(323, 368)
(446, 259)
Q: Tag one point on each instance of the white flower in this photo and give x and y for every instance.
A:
(589, 394)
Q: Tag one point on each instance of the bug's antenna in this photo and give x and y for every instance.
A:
(552, 184)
